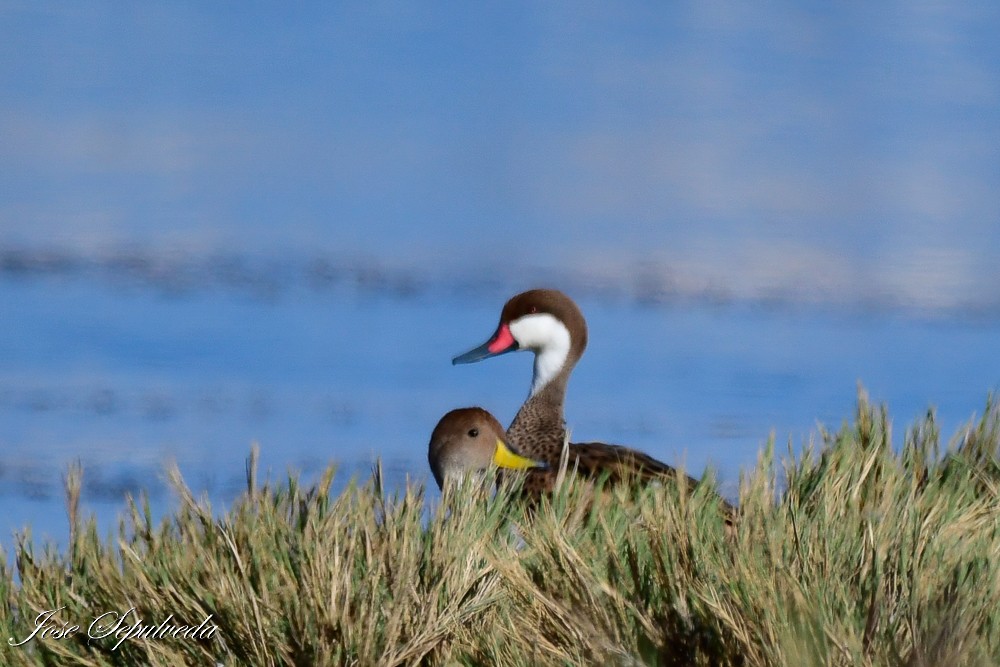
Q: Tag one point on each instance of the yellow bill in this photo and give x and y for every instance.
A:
(503, 457)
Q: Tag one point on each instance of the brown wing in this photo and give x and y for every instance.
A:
(617, 464)
(621, 463)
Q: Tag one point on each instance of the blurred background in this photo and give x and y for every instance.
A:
(222, 225)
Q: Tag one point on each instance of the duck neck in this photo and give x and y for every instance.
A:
(553, 364)
(539, 429)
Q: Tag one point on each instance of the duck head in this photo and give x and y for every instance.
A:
(470, 440)
(543, 321)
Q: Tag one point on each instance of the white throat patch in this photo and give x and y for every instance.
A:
(549, 339)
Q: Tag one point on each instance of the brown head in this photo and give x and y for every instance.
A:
(544, 321)
(470, 440)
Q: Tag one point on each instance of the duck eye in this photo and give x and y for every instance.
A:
(473, 432)
(533, 309)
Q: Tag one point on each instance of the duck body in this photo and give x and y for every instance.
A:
(549, 324)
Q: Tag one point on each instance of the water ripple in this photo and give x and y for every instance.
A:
(933, 284)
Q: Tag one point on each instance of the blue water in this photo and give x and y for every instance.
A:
(279, 224)
(127, 376)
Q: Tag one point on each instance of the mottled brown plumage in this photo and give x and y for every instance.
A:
(596, 459)
(600, 461)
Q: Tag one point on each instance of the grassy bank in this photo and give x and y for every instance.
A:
(868, 556)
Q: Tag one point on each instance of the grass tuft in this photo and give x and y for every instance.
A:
(868, 556)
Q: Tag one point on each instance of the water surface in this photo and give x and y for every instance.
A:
(126, 376)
